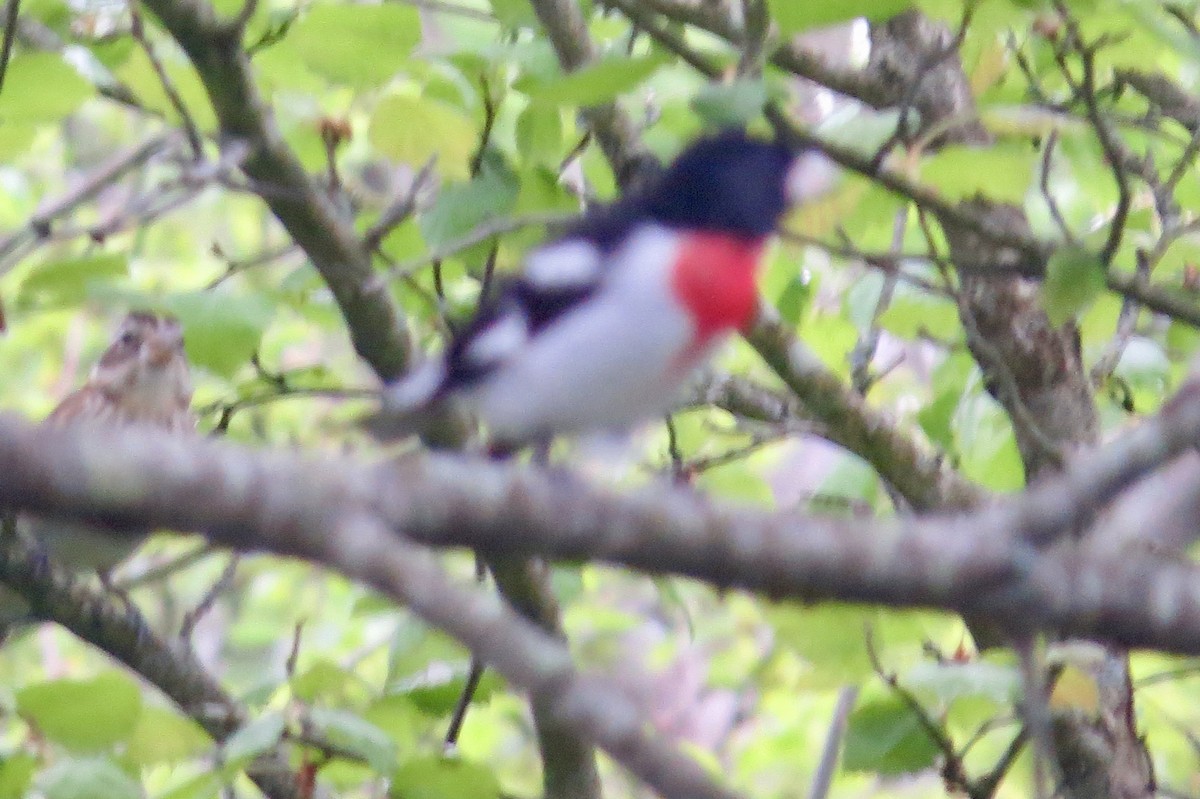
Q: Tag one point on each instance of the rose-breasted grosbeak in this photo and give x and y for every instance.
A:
(141, 380)
(607, 322)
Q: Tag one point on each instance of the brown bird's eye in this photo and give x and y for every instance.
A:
(129, 338)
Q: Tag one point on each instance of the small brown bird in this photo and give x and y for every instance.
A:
(142, 379)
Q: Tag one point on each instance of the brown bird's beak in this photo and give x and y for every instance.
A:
(159, 352)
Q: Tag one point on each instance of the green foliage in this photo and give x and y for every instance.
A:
(359, 46)
(271, 356)
(1074, 279)
(92, 778)
(68, 281)
(349, 733)
(793, 17)
(413, 130)
(442, 778)
(83, 715)
(593, 84)
(40, 87)
(887, 737)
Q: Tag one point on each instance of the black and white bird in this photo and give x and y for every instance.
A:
(607, 322)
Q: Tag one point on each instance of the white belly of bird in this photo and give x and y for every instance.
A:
(619, 359)
(556, 386)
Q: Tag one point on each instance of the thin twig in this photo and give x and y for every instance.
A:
(827, 765)
(222, 584)
(138, 31)
(12, 12)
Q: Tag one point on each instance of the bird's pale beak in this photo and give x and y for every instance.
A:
(159, 352)
(810, 175)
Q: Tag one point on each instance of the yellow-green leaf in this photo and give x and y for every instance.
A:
(595, 84)
(361, 45)
(83, 715)
(40, 87)
(798, 15)
(1074, 279)
(412, 130)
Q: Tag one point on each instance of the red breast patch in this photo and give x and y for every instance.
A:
(714, 277)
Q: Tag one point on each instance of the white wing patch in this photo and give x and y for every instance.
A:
(569, 263)
(499, 341)
(416, 388)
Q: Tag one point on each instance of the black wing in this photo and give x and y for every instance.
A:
(557, 277)
(520, 309)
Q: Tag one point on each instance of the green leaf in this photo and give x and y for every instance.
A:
(831, 637)
(40, 87)
(849, 485)
(16, 774)
(733, 103)
(112, 53)
(93, 778)
(1074, 278)
(737, 482)
(912, 313)
(539, 133)
(361, 45)
(15, 138)
(886, 737)
(514, 13)
(202, 786)
(794, 299)
(327, 682)
(355, 734)
(443, 778)
(412, 130)
(139, 75)
(221, 330)
(462, 207)
(595, 84)
(67, 281)
(83, 715)
(860, 128)
(797, 15)
(986, 444)
(1002, 172)
(257, 737)
(54, 14)
(935, 418)
(438, 699)
(164, 736)
(949, 682)
(399, 717)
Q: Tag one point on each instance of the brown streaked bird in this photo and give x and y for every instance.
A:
(142, 379)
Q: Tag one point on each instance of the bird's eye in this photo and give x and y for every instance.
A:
(129, 338)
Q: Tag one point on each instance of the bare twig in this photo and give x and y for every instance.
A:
(827, 765)
(138, 31)
(219, 586)
(12, 12)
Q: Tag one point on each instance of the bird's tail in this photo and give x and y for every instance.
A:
(409, 405)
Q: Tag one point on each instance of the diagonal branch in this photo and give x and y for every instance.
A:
(121, 631)
(310, 217)
(982, 562)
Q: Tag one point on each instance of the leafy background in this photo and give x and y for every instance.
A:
(465, 106)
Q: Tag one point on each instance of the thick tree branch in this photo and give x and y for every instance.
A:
(919, 474)
(970, 562)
